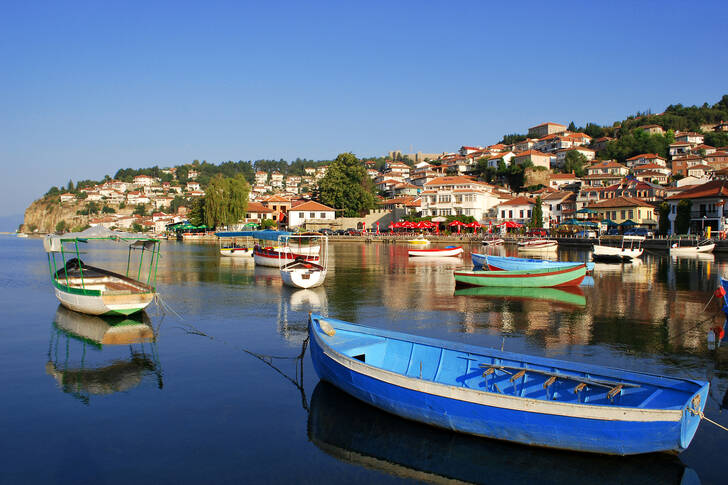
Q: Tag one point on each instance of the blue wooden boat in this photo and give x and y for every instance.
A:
(510, 263)
(496, 394)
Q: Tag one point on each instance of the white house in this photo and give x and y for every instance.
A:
(310, 212)
(67, 197)
(142, 180)
(458, 195)
(520, 210)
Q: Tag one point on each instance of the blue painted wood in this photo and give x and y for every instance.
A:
(509, 263)
(416, 378)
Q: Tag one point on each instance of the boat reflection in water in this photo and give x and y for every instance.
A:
(357, 433)
(571, 296)
(81, 362)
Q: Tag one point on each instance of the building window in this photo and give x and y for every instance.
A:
(311, 215)
(623, 214)
(510, 214)
(631, 214)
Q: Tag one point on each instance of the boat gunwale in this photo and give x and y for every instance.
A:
(502, 354)
(521, 273)
(59, 275)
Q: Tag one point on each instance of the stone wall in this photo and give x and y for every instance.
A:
(535, 176)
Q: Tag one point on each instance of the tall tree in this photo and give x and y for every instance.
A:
(537, 215)
(347, 186)
(225, 201)
(663, 226)
(682, 219)
(575, 162)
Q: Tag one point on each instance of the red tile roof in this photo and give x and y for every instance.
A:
(620, 201)
(521, 200)
(715, 188)
(311, 206)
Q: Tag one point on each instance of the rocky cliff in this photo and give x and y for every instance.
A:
(43, 215)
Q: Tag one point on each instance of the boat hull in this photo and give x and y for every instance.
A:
(485, 414)
(552, 277)
(107, 305)
(436, 253)
(538, 246)
(692, 250)
(303, 278)
(609, 253)
(505, 263)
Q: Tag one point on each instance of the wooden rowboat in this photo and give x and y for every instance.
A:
(532, 278)
(703, 247)
(437, 252)
(508, 396)
(509, 263)
(538, 245)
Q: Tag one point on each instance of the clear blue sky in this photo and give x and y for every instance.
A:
(90, 87)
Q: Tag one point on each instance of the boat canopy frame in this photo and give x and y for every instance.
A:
(137, 242)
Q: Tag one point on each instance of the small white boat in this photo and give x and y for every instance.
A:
(496, 241)
(449, 251)
(419, 240)
(300, 271)
(235, 246)
(703, 247)
(618, 248)
(537, 245)
(22, 234)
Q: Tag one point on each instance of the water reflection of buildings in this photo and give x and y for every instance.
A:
(81, 359)
(653, 302)
(357, 433)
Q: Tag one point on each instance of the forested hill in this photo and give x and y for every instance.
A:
(630, 139)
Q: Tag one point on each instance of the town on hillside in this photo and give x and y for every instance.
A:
(562, 168)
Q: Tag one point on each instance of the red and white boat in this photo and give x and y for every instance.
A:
(272, 257)
(449, 251)
(537, 245)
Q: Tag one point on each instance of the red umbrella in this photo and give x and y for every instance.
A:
(512, 224)
(377, 227)
(424, 225)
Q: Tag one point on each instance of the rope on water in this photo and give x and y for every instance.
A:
(703, 416)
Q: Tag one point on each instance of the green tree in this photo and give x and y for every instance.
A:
(196, 214)
(226, 200)
(61, 226)
(69, 186)
(571, 127)
(92, 208)
(682, 219)
(537, 215)
(136, 227)
(346, 186)
(108, 210)
(140, 210)
(268, 224)
(575, 162)
(663, 225)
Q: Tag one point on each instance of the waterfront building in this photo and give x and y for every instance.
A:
(621, 209)
(520, 209)
(310, 214)
(458, 195)
(708, 206)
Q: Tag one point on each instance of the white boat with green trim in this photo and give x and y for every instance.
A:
(96, 291)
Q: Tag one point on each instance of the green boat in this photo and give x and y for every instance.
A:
(568, 296)
(529, 278)
(96, 291)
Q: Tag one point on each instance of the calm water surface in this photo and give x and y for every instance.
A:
(219, 397)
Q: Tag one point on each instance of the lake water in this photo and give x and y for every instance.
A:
(219, 396)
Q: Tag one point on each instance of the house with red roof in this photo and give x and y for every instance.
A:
(645, 158)
(309, 214)
(520, 209)
(621, 209)
(708, 206)
(538, 159)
